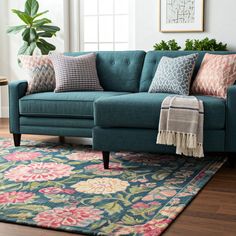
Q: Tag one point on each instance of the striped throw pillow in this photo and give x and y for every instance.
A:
(76, 73)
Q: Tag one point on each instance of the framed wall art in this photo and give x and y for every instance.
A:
(181, 15)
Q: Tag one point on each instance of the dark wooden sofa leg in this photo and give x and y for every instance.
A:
(231, 159)
(17, 139)
(61, 139)
(106, 157)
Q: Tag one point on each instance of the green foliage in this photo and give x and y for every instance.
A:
(170, 45)
(34, 29)
(204, 45)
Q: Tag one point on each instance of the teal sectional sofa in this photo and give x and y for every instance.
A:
(124, 117)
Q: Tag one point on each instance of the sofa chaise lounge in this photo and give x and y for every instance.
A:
(123, 117)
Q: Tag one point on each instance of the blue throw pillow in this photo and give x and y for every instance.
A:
(173, 75)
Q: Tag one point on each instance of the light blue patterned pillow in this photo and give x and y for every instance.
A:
(173, 75)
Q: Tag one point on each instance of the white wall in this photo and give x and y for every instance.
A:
(220, 19)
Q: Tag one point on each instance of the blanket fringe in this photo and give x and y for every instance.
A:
(185, 144)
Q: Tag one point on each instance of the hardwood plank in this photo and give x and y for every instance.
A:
(16, 230)
(211, 213)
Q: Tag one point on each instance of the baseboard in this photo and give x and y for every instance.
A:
(5, 112)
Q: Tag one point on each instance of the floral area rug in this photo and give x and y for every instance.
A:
(66, 188)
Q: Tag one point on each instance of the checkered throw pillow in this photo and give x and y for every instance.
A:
(41, 76)
(76, 73)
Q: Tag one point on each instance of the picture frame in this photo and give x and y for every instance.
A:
(181, 15)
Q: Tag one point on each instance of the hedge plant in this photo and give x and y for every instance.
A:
(205, 44)
(170, 45)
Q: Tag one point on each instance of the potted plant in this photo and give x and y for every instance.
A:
(34, 29)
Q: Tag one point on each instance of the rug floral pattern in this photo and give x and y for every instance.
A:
(66, 188)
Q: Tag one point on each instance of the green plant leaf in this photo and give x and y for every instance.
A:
(15, 29)
(42, 48)
(31, 48)
(40, 14)
(45, 34)
(41, 22)
(31, 7)
(30, 35)
(23, 49)
(45, 47)
(49, 28)
(27, 49)
(23, 16)
(188, 45)
(173, 45)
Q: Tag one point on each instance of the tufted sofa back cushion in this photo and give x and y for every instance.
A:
(118, 71)
(153, 58)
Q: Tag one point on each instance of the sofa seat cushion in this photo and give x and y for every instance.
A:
(142, 110)
(69, 104)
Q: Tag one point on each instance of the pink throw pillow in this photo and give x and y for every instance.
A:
(216, 74)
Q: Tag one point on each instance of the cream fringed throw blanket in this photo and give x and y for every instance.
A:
(181, 125)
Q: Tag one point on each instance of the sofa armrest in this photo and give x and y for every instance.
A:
(230, 142)
(17, 89)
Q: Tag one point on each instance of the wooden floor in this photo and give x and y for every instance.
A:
(211, 213)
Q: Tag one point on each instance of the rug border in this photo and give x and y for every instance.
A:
(198, 192)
